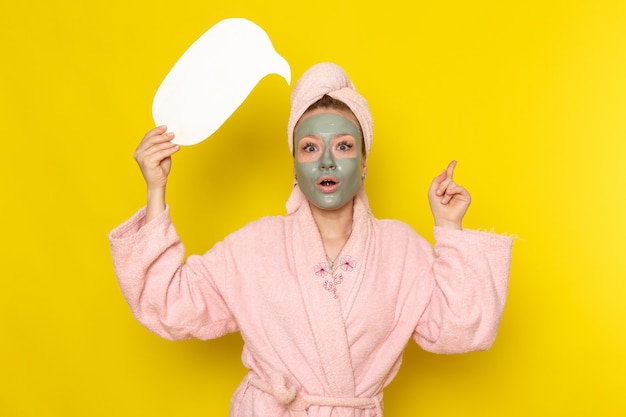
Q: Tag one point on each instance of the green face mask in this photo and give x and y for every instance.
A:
(328, 159)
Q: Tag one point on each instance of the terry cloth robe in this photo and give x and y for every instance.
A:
(320, 338)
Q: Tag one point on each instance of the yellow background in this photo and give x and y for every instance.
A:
(529, 96)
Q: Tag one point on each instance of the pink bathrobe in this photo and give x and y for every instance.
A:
(321, 339)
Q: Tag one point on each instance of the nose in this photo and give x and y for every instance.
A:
(327, 161)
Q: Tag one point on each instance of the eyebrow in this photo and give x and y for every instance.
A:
(334, 136)
(345, 134)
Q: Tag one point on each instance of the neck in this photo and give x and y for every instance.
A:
(334, 226)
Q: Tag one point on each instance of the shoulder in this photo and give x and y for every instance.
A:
(397, 232)
(395, 228)
(260, 231)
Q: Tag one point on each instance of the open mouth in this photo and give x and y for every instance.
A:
(328, 184)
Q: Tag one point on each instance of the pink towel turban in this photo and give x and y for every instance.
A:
(319, 80)
(328, 79)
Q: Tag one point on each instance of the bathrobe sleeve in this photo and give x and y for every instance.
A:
(173, 299)
(470, 273)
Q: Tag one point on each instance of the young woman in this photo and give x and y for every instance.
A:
(327, 297)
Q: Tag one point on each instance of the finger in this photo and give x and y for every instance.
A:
(155, 152)
(156, 135)
(444, 184)
(159, 130)
(450, 169)
(165, 154)
(455, 191)
(434, 185)
(449, 172)
(149, 141)
(164, 137)
(153, 168)
(451, 191)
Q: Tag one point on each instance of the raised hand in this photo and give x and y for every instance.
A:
(154, 158)
(448, 200)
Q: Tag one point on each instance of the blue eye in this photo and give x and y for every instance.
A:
(309, 147)
(344, 146)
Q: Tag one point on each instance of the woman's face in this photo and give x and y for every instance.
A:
(329, 160)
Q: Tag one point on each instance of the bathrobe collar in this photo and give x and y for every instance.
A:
(328, 293)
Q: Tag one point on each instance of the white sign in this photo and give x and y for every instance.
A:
(213, 77)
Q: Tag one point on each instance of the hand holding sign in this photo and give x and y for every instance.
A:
(213, 77)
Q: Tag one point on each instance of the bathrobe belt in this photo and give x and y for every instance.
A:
(297, 402)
